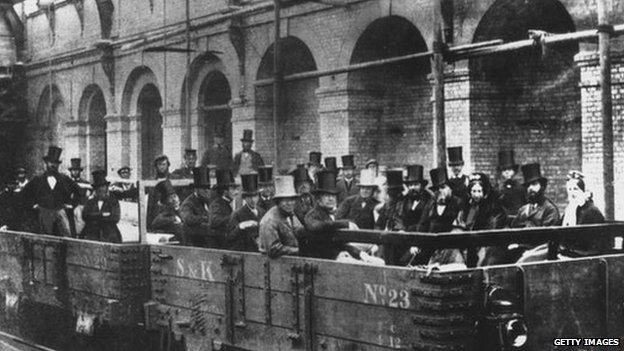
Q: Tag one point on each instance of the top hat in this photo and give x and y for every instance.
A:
(124, 168)
(300, 174)
(331, 164)
(415, 174)
(164, 189)
(190, 152)
(348, 162)
(367, 178)
(438, 177)
(394, 178)
(326, 182)
(54, 154)
(75, 164)
(160, 158)
(250, 184)
(247, 135)
(224, 178)
(455, 157)
(314, 158)
(265, 175)
(99, 178)
(531, 172)
(506, 160)
(201, 178)
(371, 161)
(284, 187)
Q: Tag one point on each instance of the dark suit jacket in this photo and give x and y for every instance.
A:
(544, 214)
(277, 236)
(305, 203)
(411, 217)
(265, 204)
(432, 222)
(244, 239)
(38, 191)
(219, 156)
(100, 228)
(345, 190)
(219, 213)
(512, 195)
(320, 229)
(256, 160)
(195, 217)
(390, 216)
(586, 244)
(459, 187)
(351, 209)
(165, 222)
(489, 214)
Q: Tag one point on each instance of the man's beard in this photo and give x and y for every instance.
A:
(534, 197)
(442, 200)
(414, 194)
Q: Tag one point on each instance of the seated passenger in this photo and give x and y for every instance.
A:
(359, 209)
(539, 211)
(417, 197)
(280, 229)
(221, 207)
(321, 222)
(267, 189)
(243, 233)
(101, 213)
(194, 211)
(123, 191)
(168, 219)
(388, 217)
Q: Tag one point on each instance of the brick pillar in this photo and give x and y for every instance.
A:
(75, 141)
(457, 118)
(118, 142)
(243, 118)
(334, 119)
(174, 131)
(592, 127)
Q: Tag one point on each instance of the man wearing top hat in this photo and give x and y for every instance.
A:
(124, 191)
(439, 214)
(280, 229)
(359, 208)
(168, 219)
(458, 181)
(512, 194)
(416, 198)
(51, 194)
(314, 165)
(186, 171)
(321, 222)
(247, 161)
(194, 212)
(243, 234)
(222, 206)
(75, 219)
(539, 210)
(303, 186)
(266, 188)
(347, 185)
(101, 213)
(388, 213)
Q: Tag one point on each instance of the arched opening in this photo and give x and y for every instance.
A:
(92, 111)
(216, 114)
(390, 104)
(148, 108)
(298, 126)
(48, 124)
(527, 100)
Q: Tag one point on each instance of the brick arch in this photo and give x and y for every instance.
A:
(202, 66)
(298, 127)
(105, 12)
(390, 104)
(524, 100)
(136, 80)
(47, 126)
(91, 111)
(17, 30)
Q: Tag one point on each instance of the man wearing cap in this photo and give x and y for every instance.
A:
(51, 194)
(280, 229)
(512, 194)
(416, 198)
(314, 165)
(222, 207)
(194, 212)
(387, 213)
(458, 181)
(243, 234)
(539, 211)
(101, 213)
(321, 223)
(303, 185)
(247, 161)
(186, 171)
(124, 191)
(347, 185)
(267, 189)
(168, 219)
(220, 155)
(359, 208)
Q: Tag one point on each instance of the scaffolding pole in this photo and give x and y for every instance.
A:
(437, 68)
(278, 81)
(604, 48)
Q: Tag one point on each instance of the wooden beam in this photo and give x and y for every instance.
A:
(604, 51)
(437, 69)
